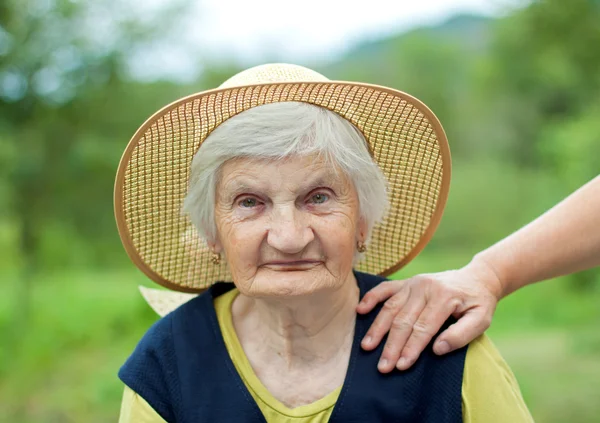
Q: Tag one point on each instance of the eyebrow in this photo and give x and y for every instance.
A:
(236, 187)
(328, 179)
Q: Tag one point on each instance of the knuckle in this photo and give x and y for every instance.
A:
(424, 278)
(454, 302)
(422, 282)
(431, 280)
(423, 329)
(401, 323)
(391, 305)
(435, 288)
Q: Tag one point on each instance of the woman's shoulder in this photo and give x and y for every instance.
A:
(485, 360)
(482, 351)
(135, 409)
(159, 337)
(490, 387)
(152, 369)
(187, 319)
(152, 354)
(366, 281)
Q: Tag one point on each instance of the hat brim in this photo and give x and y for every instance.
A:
(163, 302)
(406, 139)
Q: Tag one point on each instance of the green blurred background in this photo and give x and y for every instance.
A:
(518, 93)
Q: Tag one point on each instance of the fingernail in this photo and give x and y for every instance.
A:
(367, 340)
(442, 348)
(402, 363)
(383, 364)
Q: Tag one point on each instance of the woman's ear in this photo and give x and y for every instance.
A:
(215, 246)
(362, 229)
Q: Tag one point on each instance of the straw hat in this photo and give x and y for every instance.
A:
(406, 139)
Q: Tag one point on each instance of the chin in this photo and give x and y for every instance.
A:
(293, 283)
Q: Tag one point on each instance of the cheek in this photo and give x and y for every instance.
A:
(241, 243)
(338, 237)
(230, 231)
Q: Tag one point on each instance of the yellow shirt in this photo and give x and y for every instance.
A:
(490, 392)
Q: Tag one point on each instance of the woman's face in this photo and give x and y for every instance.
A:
(287, 227)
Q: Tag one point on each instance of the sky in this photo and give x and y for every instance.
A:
(255, 31)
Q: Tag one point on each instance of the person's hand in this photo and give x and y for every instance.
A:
(416, 309)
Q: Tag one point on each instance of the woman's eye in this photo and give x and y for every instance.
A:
(248, 202)
(319, 198)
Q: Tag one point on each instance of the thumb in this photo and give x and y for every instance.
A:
(469, 326)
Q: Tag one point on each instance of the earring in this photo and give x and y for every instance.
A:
(361, 247)
(216, 258)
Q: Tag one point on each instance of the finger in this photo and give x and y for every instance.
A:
(380, 293)
(402, 326)
(472, 324)
(383, 322)
(427, 325)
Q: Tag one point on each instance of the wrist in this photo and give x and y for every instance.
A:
(484, 271)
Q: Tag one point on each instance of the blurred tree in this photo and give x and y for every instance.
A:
(546, 79)
(545, 73)
(65, 103)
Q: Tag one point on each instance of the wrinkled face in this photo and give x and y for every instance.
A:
(287, 227)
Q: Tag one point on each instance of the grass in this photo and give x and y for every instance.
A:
(59, 363)
(62, 359)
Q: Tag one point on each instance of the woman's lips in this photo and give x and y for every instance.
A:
(292, 265)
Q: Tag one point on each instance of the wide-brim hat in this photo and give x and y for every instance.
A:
(405, 138)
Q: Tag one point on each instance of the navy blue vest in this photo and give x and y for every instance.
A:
(182, 369)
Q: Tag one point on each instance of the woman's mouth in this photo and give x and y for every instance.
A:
(291, 265)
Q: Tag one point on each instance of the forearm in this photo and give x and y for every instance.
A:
(563, 240)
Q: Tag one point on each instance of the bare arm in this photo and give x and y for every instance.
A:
(564, 240)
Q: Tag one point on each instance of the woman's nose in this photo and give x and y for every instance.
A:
(289, 231)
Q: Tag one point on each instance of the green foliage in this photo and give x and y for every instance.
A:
(489, 199)
(57, 77)
(571, 146)
(545, 70)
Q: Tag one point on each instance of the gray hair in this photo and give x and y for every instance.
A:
(276, 131)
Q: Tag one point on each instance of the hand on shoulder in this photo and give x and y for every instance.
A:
(416, 308)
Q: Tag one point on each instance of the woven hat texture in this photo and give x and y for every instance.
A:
(406, 139)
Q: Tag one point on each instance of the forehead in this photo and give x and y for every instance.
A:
(293, 171)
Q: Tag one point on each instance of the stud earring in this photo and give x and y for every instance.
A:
(216, 259)
(361, 247)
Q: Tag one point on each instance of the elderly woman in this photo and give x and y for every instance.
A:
(295, 184)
